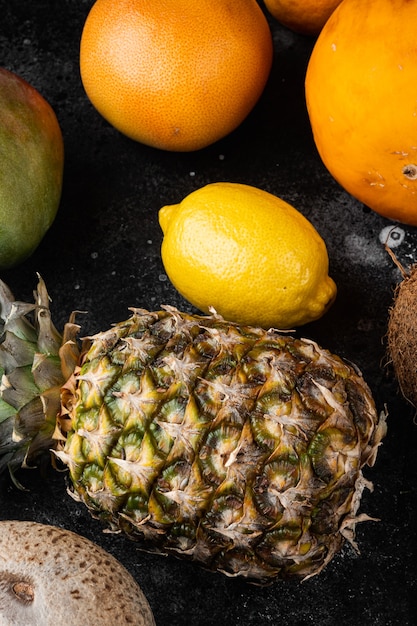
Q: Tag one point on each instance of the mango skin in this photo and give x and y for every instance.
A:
(31, 168)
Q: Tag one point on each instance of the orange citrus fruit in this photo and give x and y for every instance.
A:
(175, 74)
(248, 254)
(303, 16)
(362, 102)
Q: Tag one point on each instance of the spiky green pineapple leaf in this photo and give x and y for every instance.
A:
(31, 378)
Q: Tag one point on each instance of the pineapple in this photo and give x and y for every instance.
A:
(236, 447)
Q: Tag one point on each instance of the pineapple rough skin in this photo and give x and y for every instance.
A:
(236, 447)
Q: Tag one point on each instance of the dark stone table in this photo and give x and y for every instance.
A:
(102, 255)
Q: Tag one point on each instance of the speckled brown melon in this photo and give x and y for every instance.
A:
(50, 576)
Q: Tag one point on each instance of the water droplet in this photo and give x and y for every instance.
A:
(392, 236)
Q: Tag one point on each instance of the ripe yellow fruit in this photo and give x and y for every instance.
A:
(361, 98)
(302, 16)
(175, 74)
(248, 254)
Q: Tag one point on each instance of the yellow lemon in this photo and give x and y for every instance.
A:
(248, 254)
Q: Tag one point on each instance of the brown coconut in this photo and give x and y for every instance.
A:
(51, 577)
(402, 334)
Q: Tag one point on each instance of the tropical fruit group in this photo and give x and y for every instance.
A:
(236, 447)
(302, 16)
(248, 254)
(174, 74)
(31, 168)
(361, 99)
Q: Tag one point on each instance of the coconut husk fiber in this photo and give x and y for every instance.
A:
(402, 335)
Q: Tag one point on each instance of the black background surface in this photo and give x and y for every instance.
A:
(102, 255)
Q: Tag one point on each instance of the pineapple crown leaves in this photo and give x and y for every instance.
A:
(35, 361)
